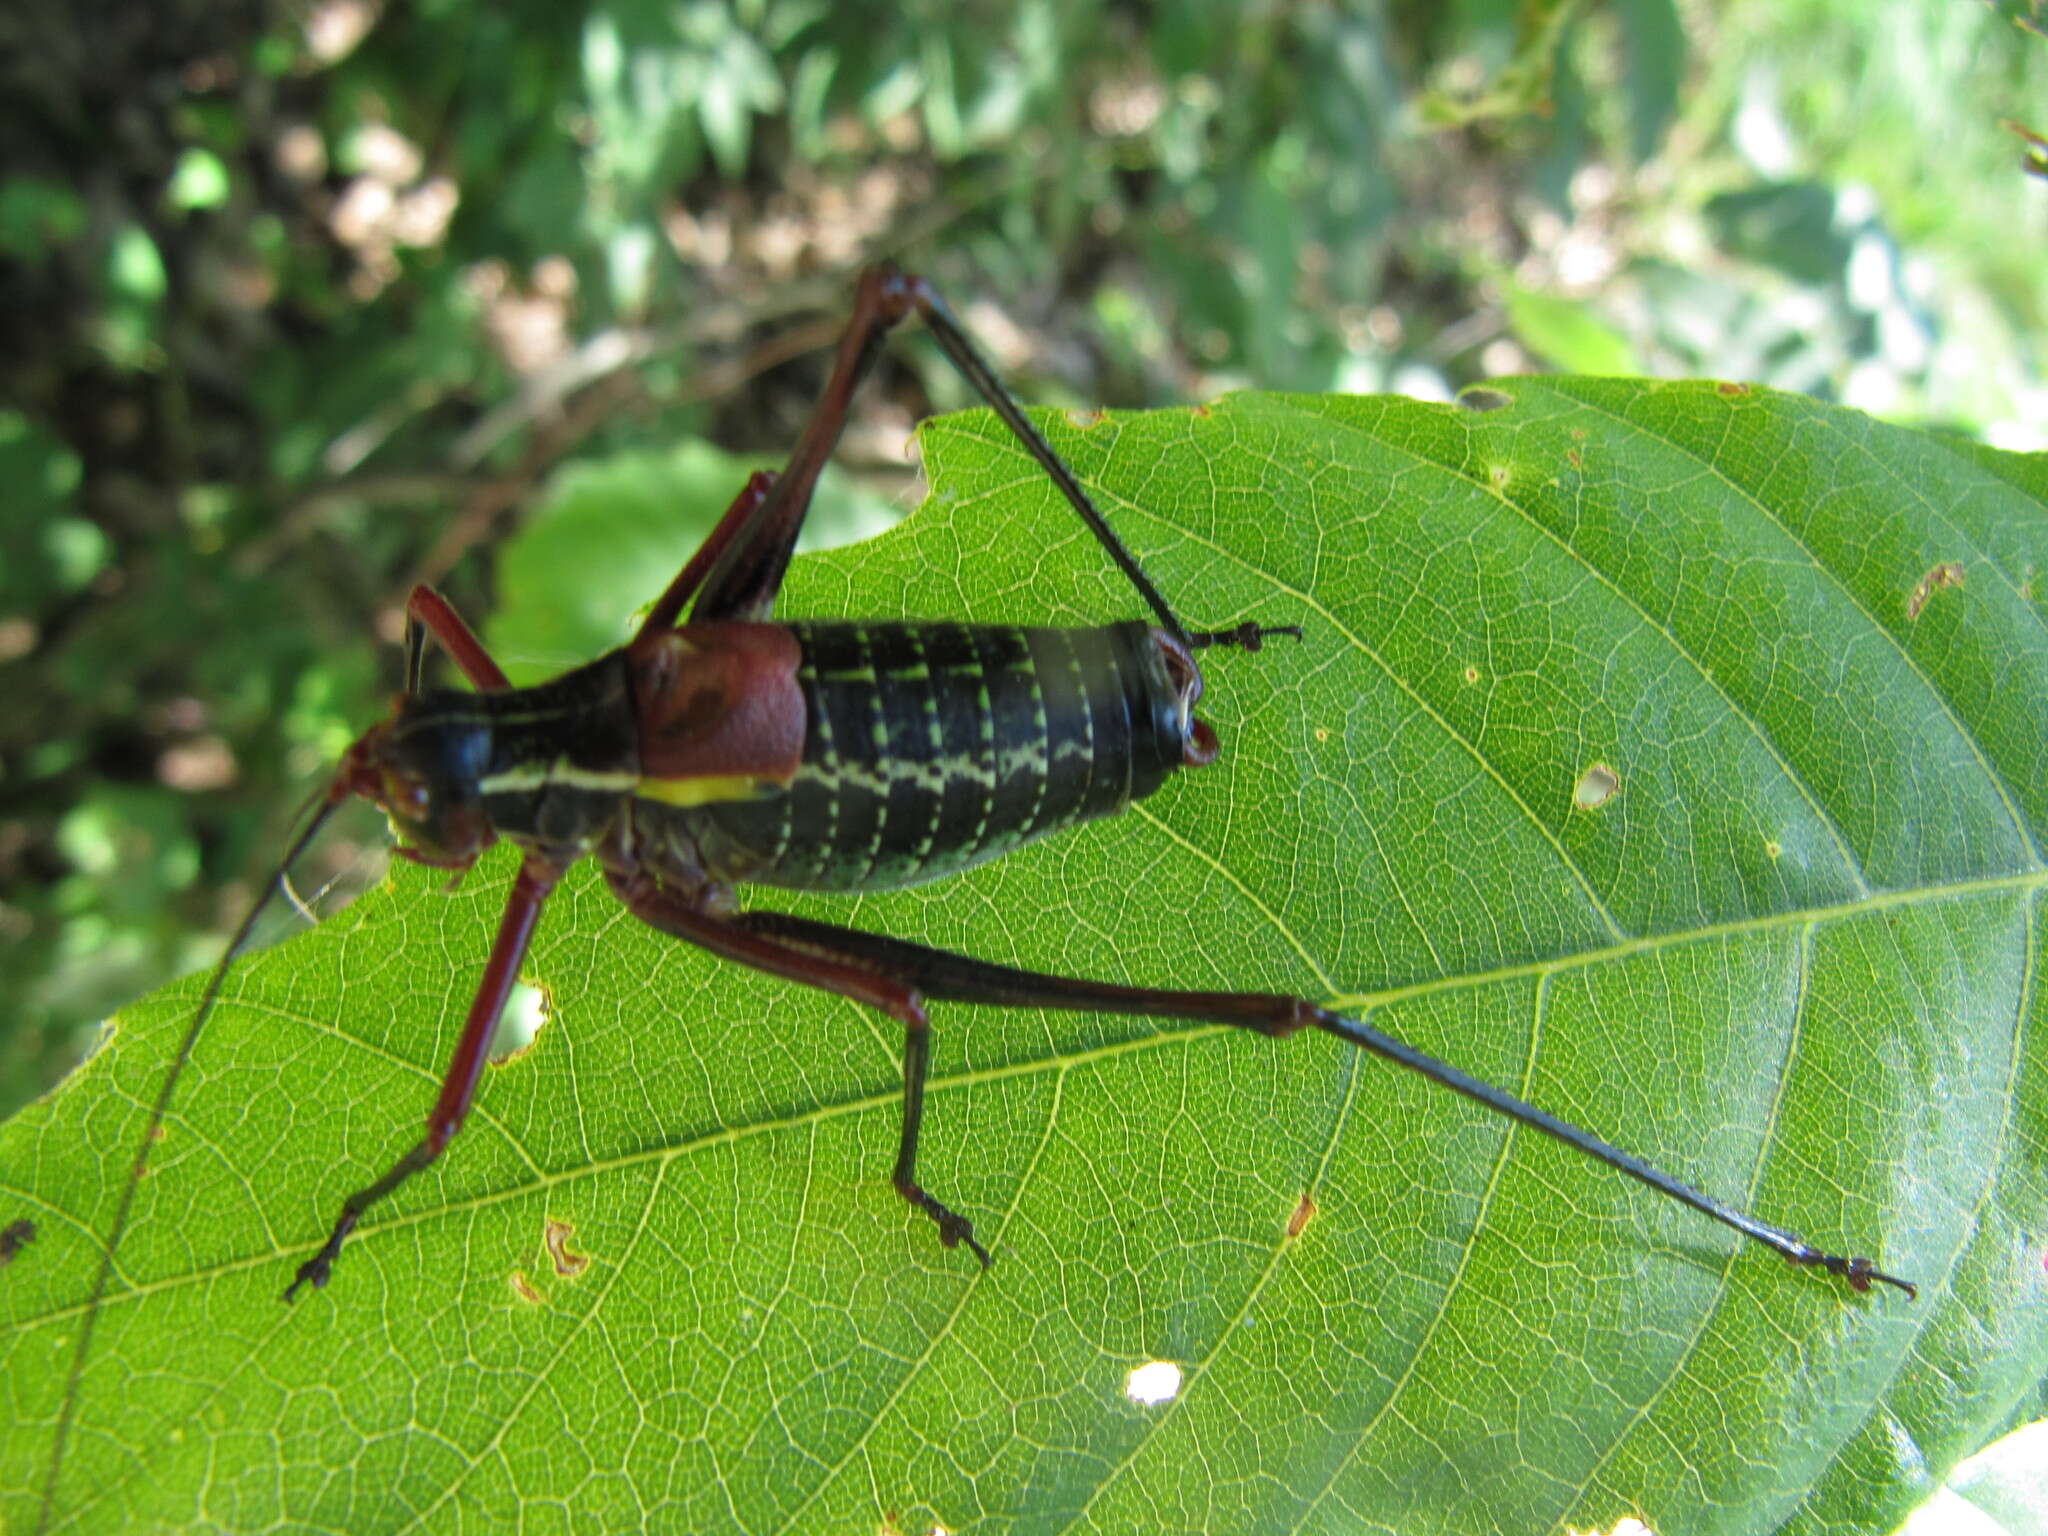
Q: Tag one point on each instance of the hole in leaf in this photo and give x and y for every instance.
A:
(1597, 785)
(1153, 1383)
(526, 1010)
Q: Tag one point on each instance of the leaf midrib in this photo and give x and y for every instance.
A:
(1061, 1061)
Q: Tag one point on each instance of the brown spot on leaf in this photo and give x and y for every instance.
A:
(1485, 399)
(1774, 848)
(568, 1264)
(1304, 1213)
(523, 1289)
(1732, 389)
(17, 1236)
(1947, 574)
(1471, 675)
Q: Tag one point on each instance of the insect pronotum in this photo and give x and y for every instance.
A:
(736, 748)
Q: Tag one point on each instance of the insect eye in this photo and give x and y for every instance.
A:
(407, 797)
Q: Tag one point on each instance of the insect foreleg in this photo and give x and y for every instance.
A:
(427, 612)
(939, 974)
(530, 890)
(832, 970)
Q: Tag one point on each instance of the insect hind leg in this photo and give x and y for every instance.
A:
(942, 975)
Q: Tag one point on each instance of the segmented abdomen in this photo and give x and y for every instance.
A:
(930, 747)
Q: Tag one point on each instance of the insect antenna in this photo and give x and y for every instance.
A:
(279, 882)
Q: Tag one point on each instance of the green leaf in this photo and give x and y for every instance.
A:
(599, 548)
(1653, 56)
(1568, 332)
(1672, 754)
(199, 180)
(135, 270)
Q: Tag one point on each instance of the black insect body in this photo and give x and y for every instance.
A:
(736, 748)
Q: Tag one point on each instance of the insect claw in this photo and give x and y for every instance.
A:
(315, 1271)
(1859, 1272)
(1247, 636)
(954, 1229)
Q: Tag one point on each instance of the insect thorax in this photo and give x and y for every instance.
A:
(563, 756)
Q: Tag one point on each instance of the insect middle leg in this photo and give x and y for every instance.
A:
(832, 971)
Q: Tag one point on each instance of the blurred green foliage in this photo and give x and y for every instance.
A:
(297, 305)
